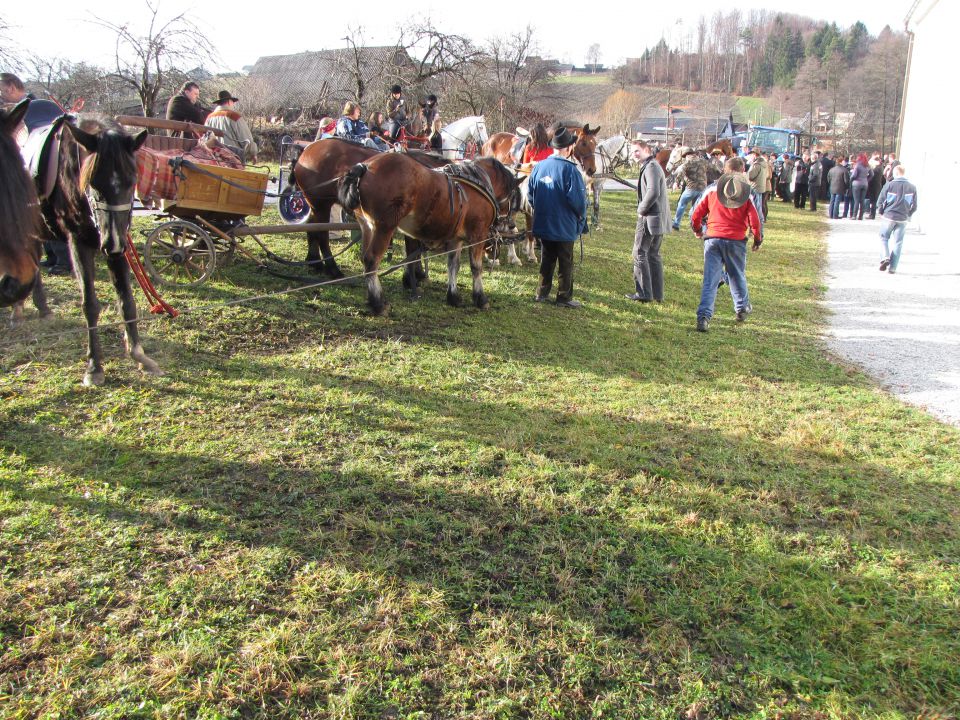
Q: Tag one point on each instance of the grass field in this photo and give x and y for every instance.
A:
(529, 512)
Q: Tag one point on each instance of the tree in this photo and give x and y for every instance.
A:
(151, 61)
(593, 56)
(619, 110)
(9, 57)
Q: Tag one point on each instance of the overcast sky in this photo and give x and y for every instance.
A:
(62, 29)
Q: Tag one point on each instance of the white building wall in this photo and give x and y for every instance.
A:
(927, 146)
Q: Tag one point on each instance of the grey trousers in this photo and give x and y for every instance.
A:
(647, 265)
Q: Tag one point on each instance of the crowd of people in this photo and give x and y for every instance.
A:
(724, 211)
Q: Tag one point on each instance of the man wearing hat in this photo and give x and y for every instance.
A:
(396, 112)
(653, 222)
(558, 196)
(693, 172)
(728, 213)
(236, 134)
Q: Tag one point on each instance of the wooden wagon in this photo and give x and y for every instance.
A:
(207, 217)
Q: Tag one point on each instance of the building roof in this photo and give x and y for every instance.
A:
(322, 74)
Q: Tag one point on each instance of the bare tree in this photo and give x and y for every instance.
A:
(593, 56)
(9, 56)
(619, 110)
(150, 61)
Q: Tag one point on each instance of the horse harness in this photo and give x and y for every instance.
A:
(473, 176)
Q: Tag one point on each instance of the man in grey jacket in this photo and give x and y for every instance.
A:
(897, 204)
(653, 221)
(814, 179)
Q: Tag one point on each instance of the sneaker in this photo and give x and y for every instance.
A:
(570, 303)
(636, 298)
(675, 228)
(703, 324)
(891, 271)
(884, 264)
(59, 270)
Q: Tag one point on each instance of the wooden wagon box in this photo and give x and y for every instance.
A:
(200, 191)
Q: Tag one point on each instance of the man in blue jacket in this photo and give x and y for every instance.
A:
(559, 199)
(897, 203)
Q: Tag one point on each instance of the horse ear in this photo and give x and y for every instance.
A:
(138, 140)
(87, 140)
(15, 116)
(588, 131)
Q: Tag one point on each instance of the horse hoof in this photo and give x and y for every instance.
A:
(516, 261)
(481, 302)
(93, 379)
(381, 310)
(453, 300)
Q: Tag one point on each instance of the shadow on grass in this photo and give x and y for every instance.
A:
(738, 555)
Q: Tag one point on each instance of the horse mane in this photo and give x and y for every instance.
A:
(19, 209)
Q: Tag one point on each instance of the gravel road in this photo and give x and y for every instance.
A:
(902, 329)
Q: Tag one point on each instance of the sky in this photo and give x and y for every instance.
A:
(56, 28)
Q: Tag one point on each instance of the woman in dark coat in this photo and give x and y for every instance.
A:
(874, 186)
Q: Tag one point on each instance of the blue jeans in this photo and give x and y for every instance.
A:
(895, 228)
(835, 199)
(687, 197)
(717, 254)
(848, 204)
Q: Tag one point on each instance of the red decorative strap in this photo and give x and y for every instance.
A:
(140, 273)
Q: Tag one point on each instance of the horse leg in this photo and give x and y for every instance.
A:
(595, 219)
(318, 244)
(16, 320)
(40, 297)
(453, 267)
(375, 244)
(531, 248)
(84, 257)
(120, 275)
(512, 254)
(476, 268)
(410, 279)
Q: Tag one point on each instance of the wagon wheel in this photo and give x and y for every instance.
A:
(293, 206)
(179, 253)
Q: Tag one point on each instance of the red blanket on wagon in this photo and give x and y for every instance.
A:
(156, 179)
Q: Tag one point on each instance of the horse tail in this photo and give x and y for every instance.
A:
(348, 194)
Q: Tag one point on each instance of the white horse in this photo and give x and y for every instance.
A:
(457, 134)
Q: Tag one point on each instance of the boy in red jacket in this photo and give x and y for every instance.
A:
(728, 213)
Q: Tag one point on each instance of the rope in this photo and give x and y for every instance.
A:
(242, 301)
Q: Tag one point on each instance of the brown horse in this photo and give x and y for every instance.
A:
(317, 172)
(442, 211)
(91, 205)
(19, 217)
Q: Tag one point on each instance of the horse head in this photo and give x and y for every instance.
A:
(585, 148)
(19, 219)
(109, 176)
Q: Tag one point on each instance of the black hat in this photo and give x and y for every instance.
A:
(396, 89)
(732, 190)
(562, 138)
(225, 96)
(432, 99)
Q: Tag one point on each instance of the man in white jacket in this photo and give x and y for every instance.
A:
(236, 133)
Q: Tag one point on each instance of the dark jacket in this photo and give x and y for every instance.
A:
(875, 184)
(802, 173)
(815, 173)
(180, 108)
(860, 175)
(839, 179)
(559, 199)
(898, 200)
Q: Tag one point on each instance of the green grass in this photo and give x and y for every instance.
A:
(529, 512)
(580, 79)
(748, 108)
